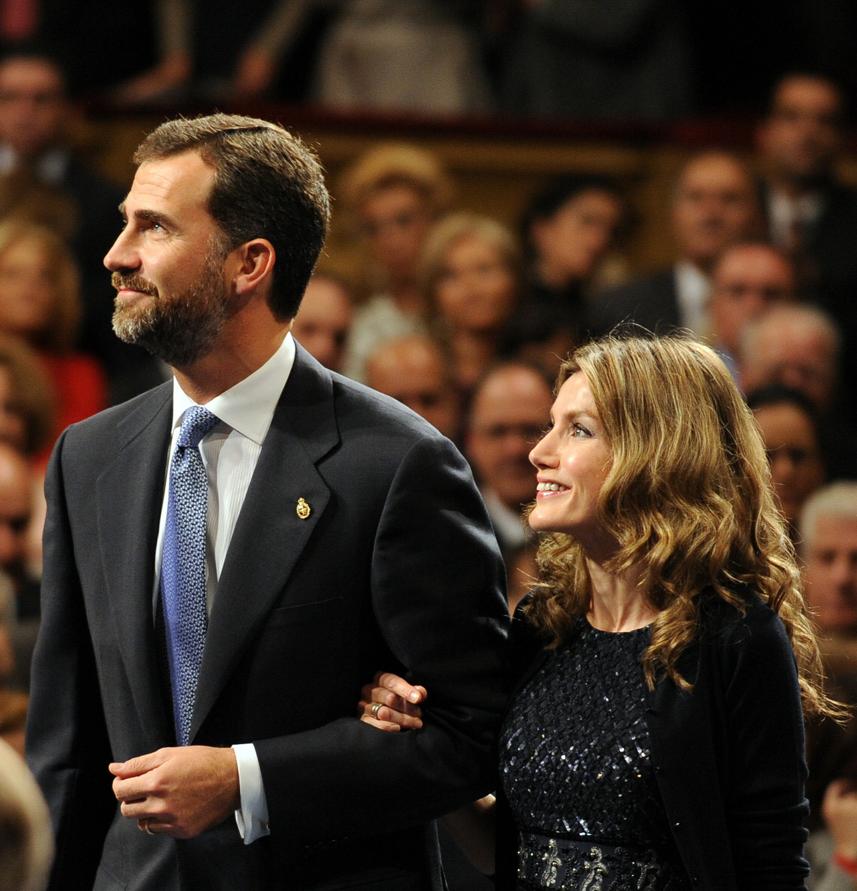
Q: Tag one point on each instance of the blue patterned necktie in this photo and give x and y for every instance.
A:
(183, 566)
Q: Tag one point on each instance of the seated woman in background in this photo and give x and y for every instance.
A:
(471, 279)
(395, 192)
(655, 737)
(40, 304)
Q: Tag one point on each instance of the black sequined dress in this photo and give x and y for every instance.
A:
(576, 768)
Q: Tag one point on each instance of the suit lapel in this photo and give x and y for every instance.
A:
(272, 528)
(129, 494)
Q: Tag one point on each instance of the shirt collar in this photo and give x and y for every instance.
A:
(249, 405)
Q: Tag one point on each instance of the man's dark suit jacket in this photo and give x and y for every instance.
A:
(395, 568)
(651, 301)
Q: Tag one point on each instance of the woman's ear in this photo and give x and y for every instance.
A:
(255, 266)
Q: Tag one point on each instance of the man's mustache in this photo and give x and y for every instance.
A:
(124, 281)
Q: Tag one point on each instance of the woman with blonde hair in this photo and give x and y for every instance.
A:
(395, 192)
(654, 739)
(470, 276)
(40, 306)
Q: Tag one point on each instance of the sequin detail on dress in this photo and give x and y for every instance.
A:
(576, 768)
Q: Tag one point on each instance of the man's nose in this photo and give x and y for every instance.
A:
(122, 254)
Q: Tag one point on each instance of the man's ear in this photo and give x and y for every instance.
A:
(255, 266)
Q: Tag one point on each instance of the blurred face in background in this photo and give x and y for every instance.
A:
(476, 290)
(509, 413)
(27, 288)
(714, 205)
(32, 105)
(802, 134)
(570, 243)
(395, 220)
(830, 573)
(413, 370)
(792, 353)
(746, 281)
(323, 320)
(794, 454)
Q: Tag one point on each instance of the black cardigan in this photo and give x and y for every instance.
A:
(728, 757)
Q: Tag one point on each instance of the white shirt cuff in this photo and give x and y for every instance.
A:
(252, 818)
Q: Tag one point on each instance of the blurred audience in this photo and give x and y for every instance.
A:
(35, 150)
(471, 279)
(790, 430)
(395, 192)
(568, 229)
(810, 211)
(39, 304)
(714, 204)
(746, 280)
(324, 319)
(414, 370)
(26, 842)
(509, 412)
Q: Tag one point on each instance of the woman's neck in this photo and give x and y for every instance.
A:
(618, 602)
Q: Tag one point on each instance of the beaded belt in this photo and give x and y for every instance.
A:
(563, 863)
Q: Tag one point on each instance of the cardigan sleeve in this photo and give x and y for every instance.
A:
(765, 764)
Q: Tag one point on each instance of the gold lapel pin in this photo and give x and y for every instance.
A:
(302, 509)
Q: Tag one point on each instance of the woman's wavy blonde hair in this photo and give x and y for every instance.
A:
(688, 498)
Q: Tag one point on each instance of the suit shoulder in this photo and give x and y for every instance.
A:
(110, 421)
(359, 405)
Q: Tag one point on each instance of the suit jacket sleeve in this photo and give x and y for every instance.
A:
(67, 746)
(436, 596)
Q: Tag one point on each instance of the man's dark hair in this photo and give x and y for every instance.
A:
(267, 184)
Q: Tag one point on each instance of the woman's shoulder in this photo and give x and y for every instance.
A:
(749, 625)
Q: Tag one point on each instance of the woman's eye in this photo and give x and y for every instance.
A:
(579, 431)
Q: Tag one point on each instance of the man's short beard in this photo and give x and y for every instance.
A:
(177, 328)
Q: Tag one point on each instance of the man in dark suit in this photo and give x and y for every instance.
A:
(714, 204)
(309, 532)
(810, 213)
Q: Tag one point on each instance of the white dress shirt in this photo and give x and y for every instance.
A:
(230, 453)
(693, 288)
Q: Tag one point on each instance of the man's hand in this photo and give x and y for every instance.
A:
(180, 791)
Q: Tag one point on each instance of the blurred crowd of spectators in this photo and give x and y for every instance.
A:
(466, 321)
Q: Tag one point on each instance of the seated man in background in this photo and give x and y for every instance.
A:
(324, 319)
(828, 526)
(799, 346)
(810, 211)
(510, 409)
(714, 204)
(747, 279)
(415, 371)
